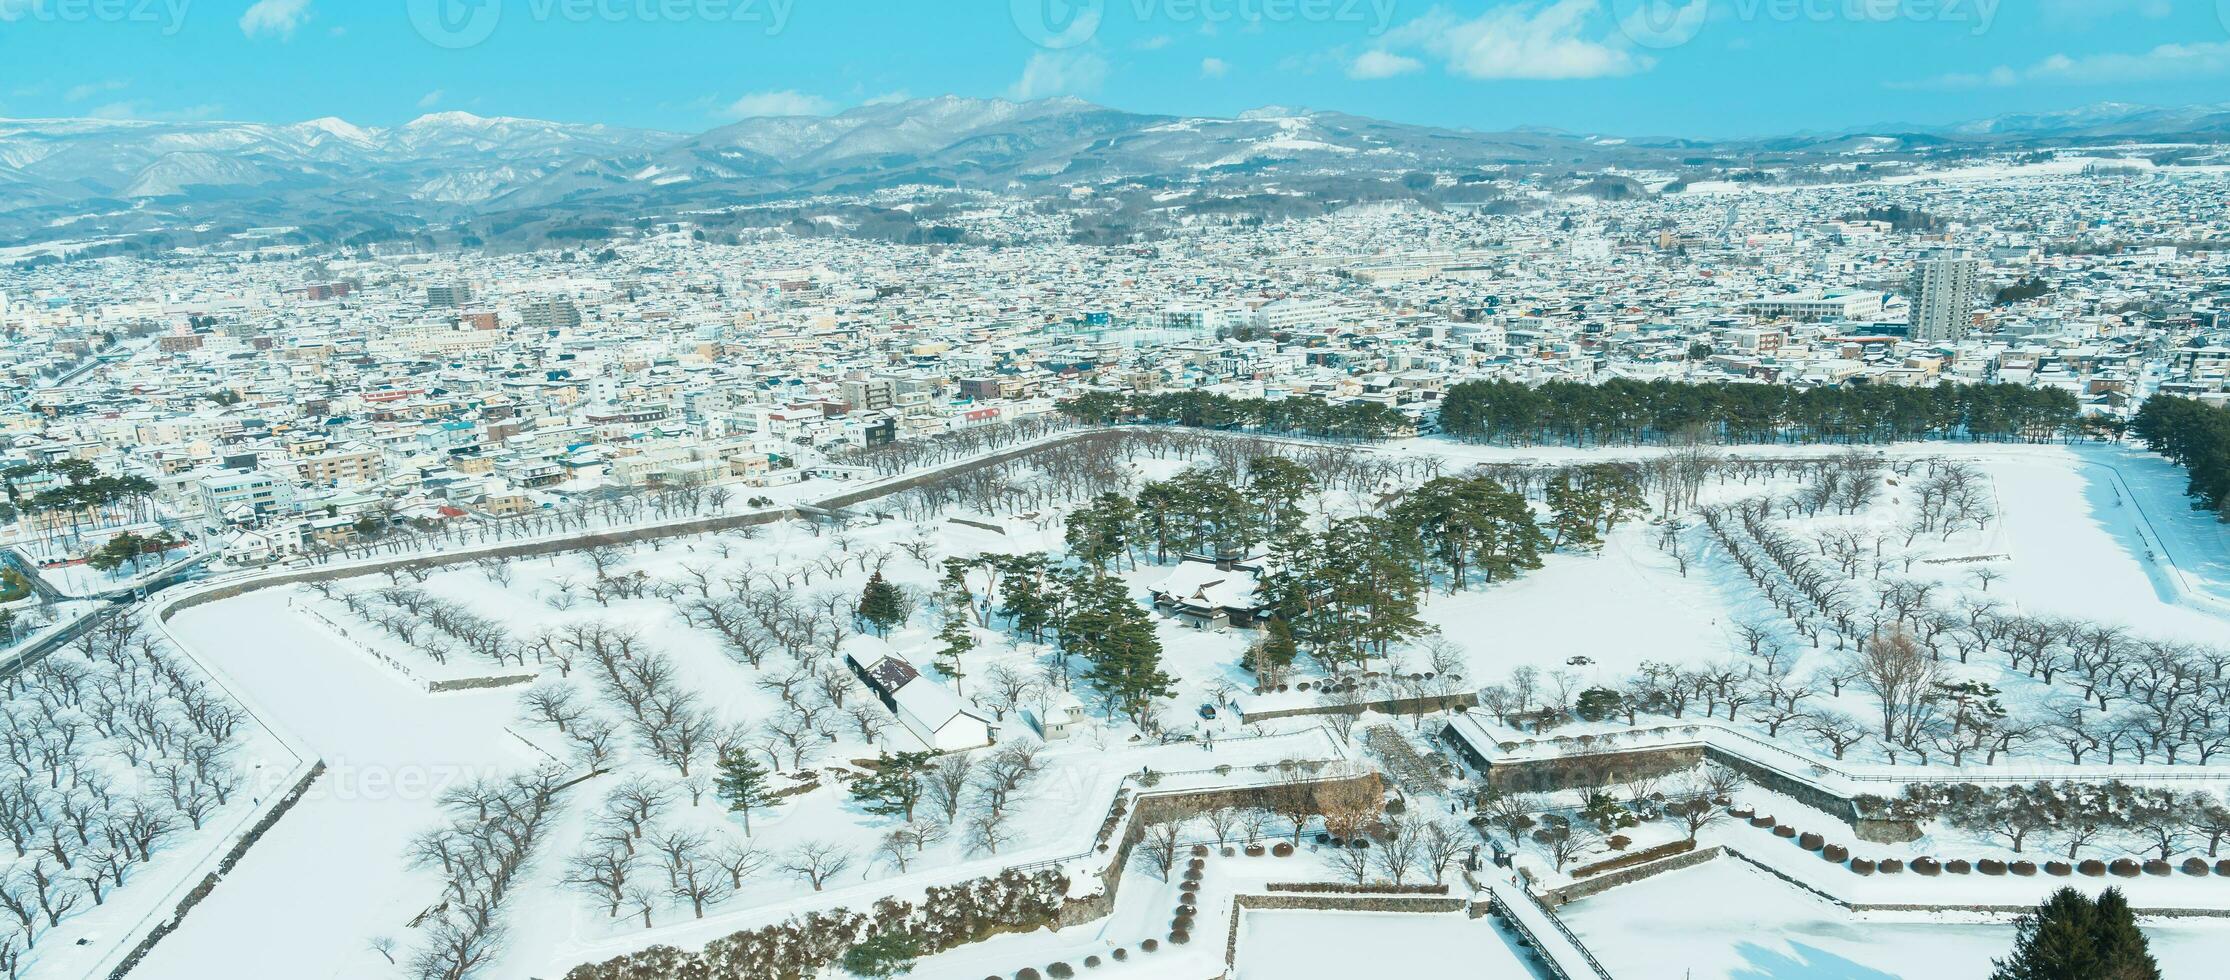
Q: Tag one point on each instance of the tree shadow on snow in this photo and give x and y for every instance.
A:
(2163, 517)
(1801, 962)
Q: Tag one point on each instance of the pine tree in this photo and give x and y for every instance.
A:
(1027, 601)
(1274, 654)
(958, 636)
(895, 786)
(1118, 638)
(1277, 486)
(743, 783)
(880, 605)
(1100, 533)
(884, 954)
(2124, 953)
(2070, 937)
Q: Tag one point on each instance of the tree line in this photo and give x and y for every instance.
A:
(1207, 410)
(2196, 436)
(1622, 412)
(2069, 816)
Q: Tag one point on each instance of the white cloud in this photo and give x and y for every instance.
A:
(1050, 73)
(2165, 63)
(1660, 25)
(788, 102)
(898, 95)
(2081, 12)
(1563, 39)
(275, 17)
(1381, 64)
(1156, 43)
(144, 110)
(430, 99)
(80, 93)
(1214, 68)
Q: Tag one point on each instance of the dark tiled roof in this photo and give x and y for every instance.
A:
(891, 673)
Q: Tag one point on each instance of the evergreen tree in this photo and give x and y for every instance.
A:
(743, 783)
(2123, 950)
(2070, 937)
(895, 786)
(1591, 501)
(1349, 593)
(1278, 486)
(1157, 518)
(1473, 523)
(1117, 638)
(880, 605)
(1100, 532)
(1274, 655)
(958, 637)
(1027, 600)
(885, 954)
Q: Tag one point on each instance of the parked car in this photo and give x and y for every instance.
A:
(1208, 711)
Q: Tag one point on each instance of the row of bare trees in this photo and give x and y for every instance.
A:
(490, 839)
(113, 746)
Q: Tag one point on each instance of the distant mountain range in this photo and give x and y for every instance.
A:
(82, 179)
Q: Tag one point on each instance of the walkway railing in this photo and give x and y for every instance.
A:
(1561, 949)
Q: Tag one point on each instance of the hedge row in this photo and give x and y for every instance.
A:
(1643, 856)
(1344, 888)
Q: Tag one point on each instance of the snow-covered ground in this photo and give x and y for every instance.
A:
(1274, 945)
(112, 733)
(330, 875)
(1726, 919)
(2078, 531)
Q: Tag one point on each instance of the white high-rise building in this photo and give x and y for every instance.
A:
(1945, 292)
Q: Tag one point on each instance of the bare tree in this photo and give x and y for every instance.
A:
(1901, 676)
(1160, 847)
(1399, 848)
(552, 702)
(817, 862)
(1439, 845)
(739, 861)
(948, 781)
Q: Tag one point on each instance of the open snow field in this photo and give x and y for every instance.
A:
(1276, 944)
(330, 875)
(1726, 920)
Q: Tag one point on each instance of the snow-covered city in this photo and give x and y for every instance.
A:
(821, 534)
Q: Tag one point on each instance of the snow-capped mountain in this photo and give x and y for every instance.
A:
(2106, 119)
(130, 159)
(449, 165)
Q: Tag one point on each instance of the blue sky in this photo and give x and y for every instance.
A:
(1638, 67)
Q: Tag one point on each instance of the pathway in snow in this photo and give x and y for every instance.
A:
(330, 874)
